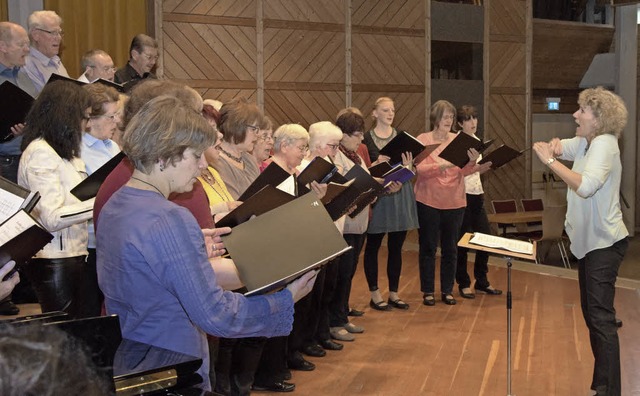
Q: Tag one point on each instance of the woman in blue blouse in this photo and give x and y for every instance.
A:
(153, 263)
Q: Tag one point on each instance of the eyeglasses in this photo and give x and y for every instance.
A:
(112, 117)
(333, 146)
(150, 57)
(358, 134)
(105, 69)
(448, 117)
(303, 149)
(52, 32)
(253, 128)
(265, 137)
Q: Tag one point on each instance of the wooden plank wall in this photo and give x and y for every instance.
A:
(507, 93)
(291, 56)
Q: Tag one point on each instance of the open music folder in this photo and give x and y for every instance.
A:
(400, 144)
(501, 156)
(272, 175)
(277, 247)
(21, 237)
(88, 188)
(456, 151)
(14, 197)
(268, 198)
(15, 104)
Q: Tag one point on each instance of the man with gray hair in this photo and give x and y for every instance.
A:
(14, 47)
(46, 38)
(96, 64)
(143, 54)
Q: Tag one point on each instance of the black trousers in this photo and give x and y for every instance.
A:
(597, 273)
(395, 240)
(60, 284)
(237, 362)
(474, 220)
(346, 269)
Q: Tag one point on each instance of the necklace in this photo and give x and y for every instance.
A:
(208, 177)
(231, 156)
(149, 184)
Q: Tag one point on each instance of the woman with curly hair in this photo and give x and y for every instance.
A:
(51, 164)
(594, 220)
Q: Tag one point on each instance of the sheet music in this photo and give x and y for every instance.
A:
(513, 245)
(15, 226)
(9, 204)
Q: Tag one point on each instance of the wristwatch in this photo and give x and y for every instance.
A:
(551, 161)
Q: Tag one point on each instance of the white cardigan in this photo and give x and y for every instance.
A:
(61, 213)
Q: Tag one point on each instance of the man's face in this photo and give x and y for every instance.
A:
(144, 61)
(47, 39)
(16, 49)
(101, 67)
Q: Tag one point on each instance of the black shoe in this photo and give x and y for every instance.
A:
(8, 308)
(428, 300)
(314, 350)
(448, 299)
(274, 387)
(469, 295)
(488, 290)
(380, 306)
(398, 304)
(330, 345)
(299, 363)
(618, 322)
(355, 312)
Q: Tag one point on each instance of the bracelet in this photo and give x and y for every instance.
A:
(551, 161)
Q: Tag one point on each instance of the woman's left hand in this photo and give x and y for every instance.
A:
(213, 241)
(544, 151)
(319, 189)
(394, 187)
(473, 155)
(407, 159)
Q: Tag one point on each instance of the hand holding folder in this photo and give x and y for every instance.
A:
(402, 143)
(456, 151)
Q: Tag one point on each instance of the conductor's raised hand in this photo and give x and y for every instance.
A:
(303, 285)
(213, 241)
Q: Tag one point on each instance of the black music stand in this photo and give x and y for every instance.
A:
(508, 256)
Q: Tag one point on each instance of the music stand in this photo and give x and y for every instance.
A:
(508, 256)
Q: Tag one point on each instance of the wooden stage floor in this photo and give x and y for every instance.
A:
(462, 349)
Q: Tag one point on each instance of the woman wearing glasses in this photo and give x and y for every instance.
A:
(98, 148)
(441, 204)
(239, 123)
(264, 143)
(51, 165)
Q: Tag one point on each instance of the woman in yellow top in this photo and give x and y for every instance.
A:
(220, 200)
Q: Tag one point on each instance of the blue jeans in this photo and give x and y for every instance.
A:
(443, 224)
(9, 167)
(597, 272)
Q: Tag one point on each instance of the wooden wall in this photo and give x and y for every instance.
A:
(302, 60)
(508, 92)
(90, 24)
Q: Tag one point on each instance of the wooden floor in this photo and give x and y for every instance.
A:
(462, 349)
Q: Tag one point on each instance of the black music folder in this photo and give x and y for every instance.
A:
(58, 77)
(277, 247)
(400, 144)
(334, 189)
(14, 197)
(15, 104)
(266, 199)
(115, 85)
(501, 156)
(456, 151)
(318, 170)
(21, 237)
(273, 175)
(361, 193)
(88, 188)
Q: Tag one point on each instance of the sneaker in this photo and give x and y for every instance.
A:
(351, 328)
(341, 334)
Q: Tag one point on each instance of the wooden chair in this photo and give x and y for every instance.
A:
(533, 205)
(553, 232)
(505, 206)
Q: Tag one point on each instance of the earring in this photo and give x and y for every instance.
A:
(162, 167)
